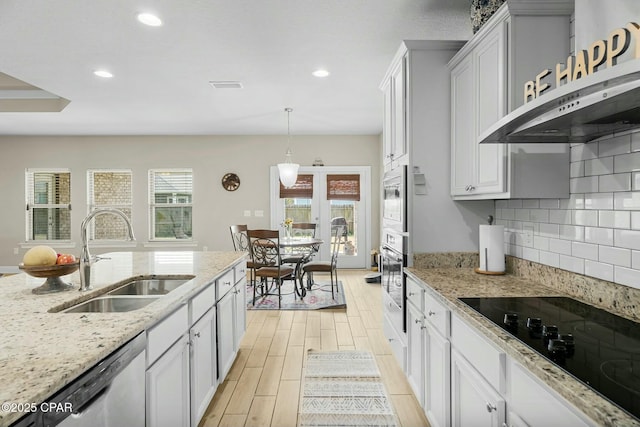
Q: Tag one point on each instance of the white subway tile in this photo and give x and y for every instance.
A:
(541, 243)
(560, 216)
(600, 236)
(539, 215)
(549, 203)
(635, 260)
(522, 215)
(626, 276)
(626, 162)
(616, 145)
(515, 226)
(598, 270)
(549, 258)
(626, 201)
(576, 169)
(584, 250)
(587, 184)
(600, 166)
(627, 239)
(501, 204)
(635, 141)
(614, 219)
(598, 201)
(575, 201)
(549, 230)
(589, 218)
(635, 181)
(531, 254)
(635, 220)
(508, 214)
(572, 232)
(615, 182)
(560, 246)
(615, 256)
(584, 152)
(572, 264)
(515, 203)
(531, 203)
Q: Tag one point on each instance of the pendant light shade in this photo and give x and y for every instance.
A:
(288, 171)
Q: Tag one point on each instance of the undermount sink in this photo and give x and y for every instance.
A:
(116, 304)
(155, 286)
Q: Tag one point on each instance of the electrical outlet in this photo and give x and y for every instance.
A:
(16, 251)
(247, 213)
(527, 239)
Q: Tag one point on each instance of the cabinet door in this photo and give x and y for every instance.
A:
(473, 400)
(225, 316)
(462, 128)
(398, 78)
(240, 312)
(490, 106)
(415, 357)
(168, 387)
(437, 404)
(387, 124)
(203, 364)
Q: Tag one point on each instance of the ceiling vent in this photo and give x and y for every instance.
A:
(226, 84)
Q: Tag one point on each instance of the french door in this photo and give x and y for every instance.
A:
(324, 207)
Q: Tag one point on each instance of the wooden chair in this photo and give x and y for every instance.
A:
(266, 257)
(240, 240)
(327, 266)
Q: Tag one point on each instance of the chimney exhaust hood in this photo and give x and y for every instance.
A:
(602, 103)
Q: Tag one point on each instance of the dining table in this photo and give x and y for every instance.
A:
(301, 250)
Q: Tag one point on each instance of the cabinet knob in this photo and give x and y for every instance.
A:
(431, 313)
(197, 334)
(226, 283)
(417, 321)
(411, 294)
(491, 407)
(390, 339)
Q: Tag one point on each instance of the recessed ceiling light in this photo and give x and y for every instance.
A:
(149, 19)
(320, 73)
(103, 73)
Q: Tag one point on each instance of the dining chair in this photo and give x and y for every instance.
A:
(327, 266)
(240, 240)
(341, 221)
(267, 259)
(300, 229)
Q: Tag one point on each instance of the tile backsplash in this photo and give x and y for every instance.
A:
(596, 231)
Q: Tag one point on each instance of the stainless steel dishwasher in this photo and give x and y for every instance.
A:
(111, 394)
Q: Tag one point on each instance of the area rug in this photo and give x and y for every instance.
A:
(344, 388)
(318, 297)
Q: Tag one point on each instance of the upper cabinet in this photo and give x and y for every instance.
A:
(487, 81)
(394, 115)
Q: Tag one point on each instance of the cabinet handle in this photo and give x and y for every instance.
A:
(431, 313)
(491, 407)
(390, 339)
(226, 283)
(417, 321)
(197, 334)
(411, 294)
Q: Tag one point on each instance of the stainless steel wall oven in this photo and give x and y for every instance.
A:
(393, 260)
(394, 199)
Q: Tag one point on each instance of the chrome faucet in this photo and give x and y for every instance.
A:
(85, 257)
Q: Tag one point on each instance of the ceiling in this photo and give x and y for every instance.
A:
(162, 74)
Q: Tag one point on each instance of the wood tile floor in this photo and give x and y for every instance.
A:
(263, 386)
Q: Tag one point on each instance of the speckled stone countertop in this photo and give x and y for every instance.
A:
(452, 283)
(41, 350)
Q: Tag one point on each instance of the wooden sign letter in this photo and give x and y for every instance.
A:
(617, 44)
(529, 91)
(635, 31)
(597, 52)
(564, 74)
(541, 87)
(580, 69)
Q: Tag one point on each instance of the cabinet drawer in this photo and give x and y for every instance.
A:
(161, 336)
(397, 344)
(202, 302)
(437, 314)
(224, 284)
(395, 314)
(240, 271)
(479, 352)
(414, 293)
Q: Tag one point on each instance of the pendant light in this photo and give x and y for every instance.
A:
(288, 170)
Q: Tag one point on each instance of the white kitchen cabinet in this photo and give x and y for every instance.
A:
(240, 304)
(415, 351)
(394, 142)
(167, 385)
(473, 401)
(226, 353)
(487, 82)
(437, 402)
(202, 337)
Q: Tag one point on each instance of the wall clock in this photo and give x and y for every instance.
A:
(230, 182)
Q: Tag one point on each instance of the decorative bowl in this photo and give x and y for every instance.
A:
(52, 273)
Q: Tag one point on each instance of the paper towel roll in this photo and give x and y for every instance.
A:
(492, 248)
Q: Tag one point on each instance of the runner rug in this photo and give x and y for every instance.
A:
(318, 297)
(344, 388)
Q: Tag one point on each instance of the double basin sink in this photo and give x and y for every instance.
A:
(130, 296)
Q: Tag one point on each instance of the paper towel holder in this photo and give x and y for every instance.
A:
(486, 270)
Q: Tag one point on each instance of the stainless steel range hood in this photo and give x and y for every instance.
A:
(603, 103)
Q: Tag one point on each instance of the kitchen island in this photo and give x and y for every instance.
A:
(447, 285)
(43, 349)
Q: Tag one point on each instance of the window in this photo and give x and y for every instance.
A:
(48, 200)
(171, 203)
(109, 189)
(297, 199)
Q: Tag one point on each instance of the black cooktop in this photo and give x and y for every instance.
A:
(598, 348)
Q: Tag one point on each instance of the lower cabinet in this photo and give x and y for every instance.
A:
(226, 351)
(168, 387)
(473, 401)
(202, 337)
(416, 351)
(240, 314)
(437, 404)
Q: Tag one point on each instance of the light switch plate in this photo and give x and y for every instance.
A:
(258, 213)
(247, 213)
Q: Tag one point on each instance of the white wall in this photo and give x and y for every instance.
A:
(209, 156)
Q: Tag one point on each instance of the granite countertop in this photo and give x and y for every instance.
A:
(453, 283)
(41, 351)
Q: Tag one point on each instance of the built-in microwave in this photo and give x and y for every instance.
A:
(394, 199)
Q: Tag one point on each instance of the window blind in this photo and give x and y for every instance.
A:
(343, 187)
(302, 189)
